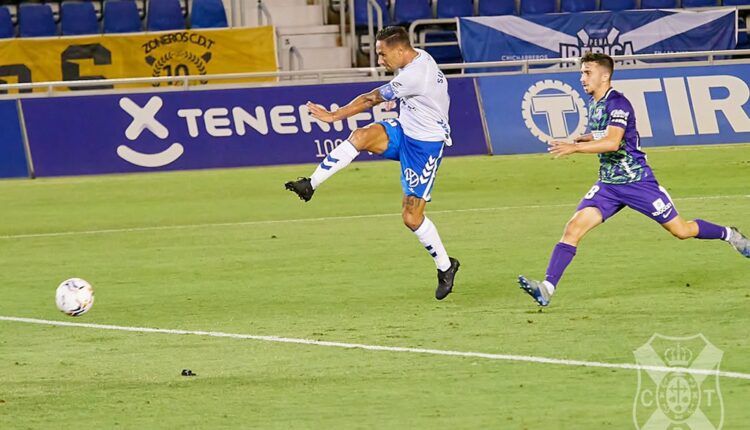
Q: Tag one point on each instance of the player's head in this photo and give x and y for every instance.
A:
(393, 47)
(596, 72)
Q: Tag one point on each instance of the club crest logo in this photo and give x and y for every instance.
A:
(178, 54)
(552, 109)
(412, 178)
(677, 399)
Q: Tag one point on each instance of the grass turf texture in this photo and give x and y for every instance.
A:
(362, 280)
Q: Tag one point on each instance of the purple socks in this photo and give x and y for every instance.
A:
(706, 230)
(562, 255)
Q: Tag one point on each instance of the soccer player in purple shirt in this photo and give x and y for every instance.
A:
(625, 179)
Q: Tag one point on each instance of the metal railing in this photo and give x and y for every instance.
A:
(309, 77)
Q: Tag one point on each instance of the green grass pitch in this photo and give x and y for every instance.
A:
(253, 259)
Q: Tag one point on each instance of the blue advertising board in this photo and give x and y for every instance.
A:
(12, 156)
(673, 106)
(211, 129)
(566, 35)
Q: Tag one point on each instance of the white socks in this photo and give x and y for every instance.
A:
(729, 234)
(339, 158)
(429, 237)
(549, 287)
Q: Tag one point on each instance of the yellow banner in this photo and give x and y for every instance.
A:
(172, 53)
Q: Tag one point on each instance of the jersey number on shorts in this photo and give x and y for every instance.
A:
(592, 192)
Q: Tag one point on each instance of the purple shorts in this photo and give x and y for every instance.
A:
(647, 197)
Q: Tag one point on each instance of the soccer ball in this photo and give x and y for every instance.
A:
(74, 297)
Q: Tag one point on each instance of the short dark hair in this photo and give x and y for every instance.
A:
(394, 35)
(600, 59)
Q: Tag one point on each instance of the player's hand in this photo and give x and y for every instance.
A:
(560, 149)
(389, 105)
(319, 112)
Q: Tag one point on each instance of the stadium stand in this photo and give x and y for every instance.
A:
(406, 11)
(454, 8)
(360, 12)
(497, 7)
(699, 3)
(164, 15)
(616, 5)
(6, 24)
(658, 4)
(78, 18)
(121, 16)
(208, 14)
(36, 20)
(536, 7)
(577, 5)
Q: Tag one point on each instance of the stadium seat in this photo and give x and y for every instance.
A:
(443, 54)
(78, 18)
(121, 16)
(743, 41)
(699, 3)
(535, 7)
(497, 7)
(208, 14)
(360, 13)
(35, 20)
(6, 24)
(164, 15)
(577, 5)
(658, 4)
(736, 2)
(616, 5)
(410, 10)
(454, 8)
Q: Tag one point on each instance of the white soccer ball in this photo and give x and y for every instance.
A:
(74, 297)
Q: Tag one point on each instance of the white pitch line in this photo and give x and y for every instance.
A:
(294, 220)
(469, 354)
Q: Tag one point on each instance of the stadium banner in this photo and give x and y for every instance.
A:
(12, 155)
(111, 56)
(566, 35)
(175, 130)
(673, 106)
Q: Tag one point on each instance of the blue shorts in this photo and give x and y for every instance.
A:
(646, 197)
(419, 159)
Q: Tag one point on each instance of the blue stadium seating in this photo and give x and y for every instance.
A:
(410, 10)
(360, 12)
(6, 23)
(658, 4)
(208, 14)
(35, 20)
(497, 7)
(78, 18)
(743, 41)
(454, 8)
(164, 15)
(444, 54)
(577, 5)
(121, 16)
(534, 7)
(699, 3)
(617, 5)
(736, 2)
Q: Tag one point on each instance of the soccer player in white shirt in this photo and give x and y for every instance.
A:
(416, 139)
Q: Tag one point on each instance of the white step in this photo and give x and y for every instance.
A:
(319, 58)
(317, 36)
(285, 2)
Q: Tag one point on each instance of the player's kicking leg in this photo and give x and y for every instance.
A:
(371, 138)
(583, 221)
(700, 229)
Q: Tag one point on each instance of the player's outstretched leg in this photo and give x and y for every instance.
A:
(581, 223)
(701, 229)
(372, 138)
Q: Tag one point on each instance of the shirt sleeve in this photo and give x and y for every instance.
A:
(407, 83)
(620, 112)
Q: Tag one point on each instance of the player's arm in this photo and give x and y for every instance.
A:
(588, 137)
(610, 142)
(360, 103)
